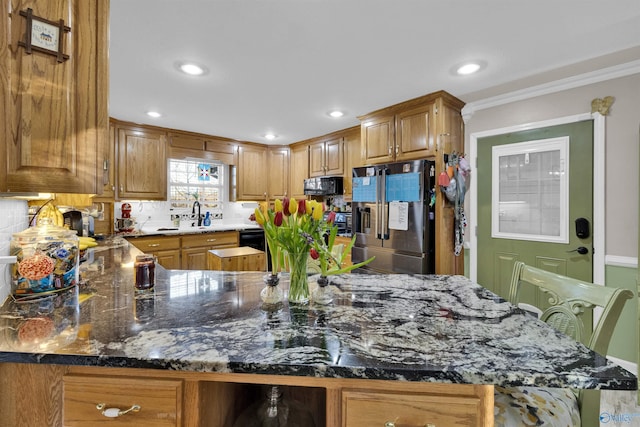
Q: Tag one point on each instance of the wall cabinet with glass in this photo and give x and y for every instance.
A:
(53, 115)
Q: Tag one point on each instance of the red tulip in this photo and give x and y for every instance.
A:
(314, 253)
(302, 207)
(285, 206)
(331, 217)
(277, 219)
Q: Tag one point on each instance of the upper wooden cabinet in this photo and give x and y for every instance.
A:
(53, 115)
(352, 158)
(278, 172)
(142, 163)
(410, 130)
(186, 144)
(326, 157)
(299, 170)
(251, 172)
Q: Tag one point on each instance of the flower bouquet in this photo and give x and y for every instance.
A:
(295, 231)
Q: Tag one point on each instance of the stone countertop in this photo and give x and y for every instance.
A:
(168, 230)
(390, 327)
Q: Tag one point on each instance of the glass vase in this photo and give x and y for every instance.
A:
(323, 294)
(298, 281)
(271, 295)
(275, 411)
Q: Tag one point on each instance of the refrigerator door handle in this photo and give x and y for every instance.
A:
(384, 235)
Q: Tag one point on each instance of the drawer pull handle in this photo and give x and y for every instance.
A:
(211, 240)
(153, 245)
(393, 424)
(115, 412)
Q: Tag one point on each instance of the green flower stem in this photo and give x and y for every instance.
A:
(298, 284)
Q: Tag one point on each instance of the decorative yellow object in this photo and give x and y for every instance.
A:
(601, 105)
(51, 212)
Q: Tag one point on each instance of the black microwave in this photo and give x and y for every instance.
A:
(323, 186)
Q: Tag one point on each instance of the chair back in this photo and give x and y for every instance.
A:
(568, 299)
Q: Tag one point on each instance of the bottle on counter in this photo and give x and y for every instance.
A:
(207, 220)
(144, 272)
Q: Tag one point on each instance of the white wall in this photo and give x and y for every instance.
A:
(15, 218)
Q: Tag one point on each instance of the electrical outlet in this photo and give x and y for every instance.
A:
(217, 215)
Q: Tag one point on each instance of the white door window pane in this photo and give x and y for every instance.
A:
(530, 191)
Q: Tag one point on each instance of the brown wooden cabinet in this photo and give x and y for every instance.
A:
(53, 115)
(88, 399)
(251, 172)
(299, 168)
(68, 396)
(187, 251)
(142, 163)
(278, 172)
(406, 135)
(352, 158)
(196, 246)
(188, 144)
(166, 249)
(326, 157)
(368, 408)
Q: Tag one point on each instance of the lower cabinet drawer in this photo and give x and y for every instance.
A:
(366, 409)
(89, 399)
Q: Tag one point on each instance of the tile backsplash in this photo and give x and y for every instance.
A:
(15, 218)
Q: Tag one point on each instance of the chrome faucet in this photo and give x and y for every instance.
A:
(193, 212)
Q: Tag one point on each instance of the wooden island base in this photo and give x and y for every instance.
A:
(56, 395)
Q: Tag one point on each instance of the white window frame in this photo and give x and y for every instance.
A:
(536, 146)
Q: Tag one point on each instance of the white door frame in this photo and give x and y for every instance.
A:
(598, 187)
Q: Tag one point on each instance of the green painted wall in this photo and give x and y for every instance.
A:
(624, 342)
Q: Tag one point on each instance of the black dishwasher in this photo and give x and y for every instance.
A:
(254, 238)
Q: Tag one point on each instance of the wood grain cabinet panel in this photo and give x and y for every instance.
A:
(195, 247)
(299, 170)
(252, 173)
(278, 172)
(365, 409)
(142, 163)
(159, 401)
(54, 115)
(326, 157)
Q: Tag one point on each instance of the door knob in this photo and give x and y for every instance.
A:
(581, 250)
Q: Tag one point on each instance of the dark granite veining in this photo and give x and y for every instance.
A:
(393, 327)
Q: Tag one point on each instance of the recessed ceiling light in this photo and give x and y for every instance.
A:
(336, 113)
(154, 114)
(191, 68)
(468, 68)
(270, 136)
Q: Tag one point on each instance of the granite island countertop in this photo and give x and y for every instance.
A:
(390, 327)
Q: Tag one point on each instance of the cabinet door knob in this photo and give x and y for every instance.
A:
(115, 412)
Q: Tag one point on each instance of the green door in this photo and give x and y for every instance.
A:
(532, 187)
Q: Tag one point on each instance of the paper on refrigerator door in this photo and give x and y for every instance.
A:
(399, 216)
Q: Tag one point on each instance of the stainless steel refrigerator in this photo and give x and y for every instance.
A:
(394, 218)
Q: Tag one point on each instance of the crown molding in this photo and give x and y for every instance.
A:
(584, 79)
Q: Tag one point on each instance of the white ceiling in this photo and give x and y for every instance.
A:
(280, 65)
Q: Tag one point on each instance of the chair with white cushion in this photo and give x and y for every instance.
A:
(569, 300)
